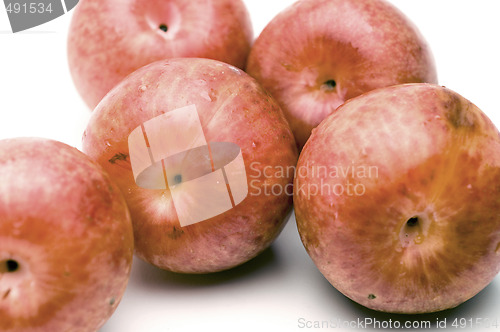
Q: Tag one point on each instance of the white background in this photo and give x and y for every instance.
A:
(281, 288)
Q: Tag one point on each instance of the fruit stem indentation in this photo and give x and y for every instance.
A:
(413, 221)
(9, 266)
(163, 27)
(329, 85)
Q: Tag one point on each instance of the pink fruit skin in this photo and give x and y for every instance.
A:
(437, 158)
(232, 108)
(360, 44)
(68, 227)
(109, 39)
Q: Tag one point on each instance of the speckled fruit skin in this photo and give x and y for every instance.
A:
(232, 108)
(68, 228)
(109, 39)
(359, 44)
(424, 235)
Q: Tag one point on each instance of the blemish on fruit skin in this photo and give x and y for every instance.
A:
(176, 233)
(6, 294)
(459, 115)
(213, 95)
(497, 250)
(112, 301)
(118, 157)
(371, 296)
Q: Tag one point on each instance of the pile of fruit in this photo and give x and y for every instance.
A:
(202, 139)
